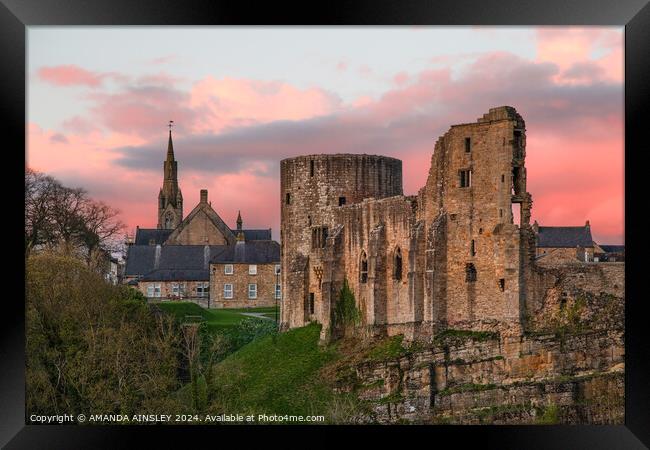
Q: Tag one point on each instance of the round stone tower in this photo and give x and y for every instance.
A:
(311, 188)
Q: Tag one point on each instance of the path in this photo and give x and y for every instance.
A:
(258, 315)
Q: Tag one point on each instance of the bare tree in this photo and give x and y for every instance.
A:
(68, 219)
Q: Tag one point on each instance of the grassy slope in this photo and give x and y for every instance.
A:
(215, 318)
(276, 374)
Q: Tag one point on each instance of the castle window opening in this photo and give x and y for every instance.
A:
(363, 268)
(500, 212)
(341, 201)
(288, 198)
(470, 272)
(309, 220)
(397, 264)
(318, 237)
(503, 178)
(311, 303)
(465, 178)
(311, 168)
(468, 145)
(480, 231)
(472, 248)
(502, 284)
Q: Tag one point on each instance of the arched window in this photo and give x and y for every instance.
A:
(363, 268)
(168, 220)
(397, 264)
(470, 272)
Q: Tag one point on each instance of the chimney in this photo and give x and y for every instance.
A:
(204, 196)
(156, 260)
(587, 224)
(206, 256)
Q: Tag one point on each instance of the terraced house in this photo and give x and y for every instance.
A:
(199, 257)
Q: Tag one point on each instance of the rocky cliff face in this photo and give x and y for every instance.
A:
(473, 378)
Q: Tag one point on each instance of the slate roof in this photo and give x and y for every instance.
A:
(177, 275)
(141, 259)
(564, 237)
(255, 235)
(250, 252)
(144, 235)
(613, 248)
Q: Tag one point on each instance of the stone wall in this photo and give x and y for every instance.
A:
(472, 379)
(312, 187)
(166, 291)
(240, 279)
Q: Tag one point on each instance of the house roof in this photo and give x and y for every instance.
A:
(613, 248)
(251, 252)
(143, 236)
(564, 237)
(255, 235)
(141, 259)
(177, 275)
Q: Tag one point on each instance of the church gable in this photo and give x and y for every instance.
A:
(202, 226)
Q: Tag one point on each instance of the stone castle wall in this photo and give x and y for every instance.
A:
(463, 257)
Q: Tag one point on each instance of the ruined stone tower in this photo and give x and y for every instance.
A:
(451, 257)
(170, 199)
(313, 188)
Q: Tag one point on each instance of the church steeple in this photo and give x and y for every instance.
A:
(170, 199)
(239, 221)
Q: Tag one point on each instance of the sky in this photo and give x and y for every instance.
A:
(244, 98)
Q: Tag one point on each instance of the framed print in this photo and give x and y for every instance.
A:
(378, 218)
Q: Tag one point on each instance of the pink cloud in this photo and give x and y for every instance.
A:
(401, 78)
(69, 75)
(232, 133)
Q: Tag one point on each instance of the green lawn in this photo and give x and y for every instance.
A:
(217, 319)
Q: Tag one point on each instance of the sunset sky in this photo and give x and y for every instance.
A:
(243, 98)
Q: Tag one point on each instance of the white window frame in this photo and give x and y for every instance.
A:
(228, 269)
(203, 285)
(252, 269)
(227, 287)
(157, 290)
(277, 269)
(150, 290)
(253, 291)
(176, 289)
(278, 291)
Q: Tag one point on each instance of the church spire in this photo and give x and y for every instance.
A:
(170, 199)
(239, 221)
(170, 144)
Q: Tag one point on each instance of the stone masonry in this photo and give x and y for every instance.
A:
(450, 256)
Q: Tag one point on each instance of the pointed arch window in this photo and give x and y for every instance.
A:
(397, 264)
(168, 219)
(363, 268)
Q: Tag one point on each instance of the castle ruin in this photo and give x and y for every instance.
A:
(460, 254)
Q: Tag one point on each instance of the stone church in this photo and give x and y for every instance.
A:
(199, 257)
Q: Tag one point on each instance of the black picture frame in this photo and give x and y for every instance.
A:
(16, 15)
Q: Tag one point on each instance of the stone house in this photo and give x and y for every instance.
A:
(609, 253)
(564, 243)
(246, 275)
(173, 261)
